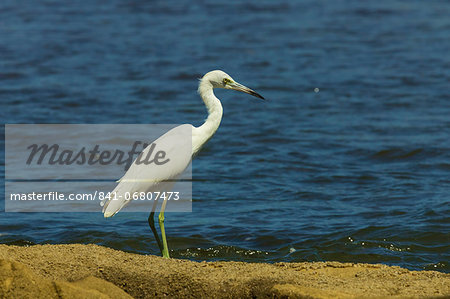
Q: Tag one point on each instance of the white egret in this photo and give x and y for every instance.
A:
(136, 178)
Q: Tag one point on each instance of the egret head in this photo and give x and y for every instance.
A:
(220, 79)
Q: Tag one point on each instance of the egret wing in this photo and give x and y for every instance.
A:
(175, 154)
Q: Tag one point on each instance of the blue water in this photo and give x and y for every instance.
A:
(349, 160)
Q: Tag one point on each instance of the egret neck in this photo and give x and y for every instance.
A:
(215, 111)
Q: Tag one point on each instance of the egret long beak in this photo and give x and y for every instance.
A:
(240, 87)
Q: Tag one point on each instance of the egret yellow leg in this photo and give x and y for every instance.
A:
(165, 250)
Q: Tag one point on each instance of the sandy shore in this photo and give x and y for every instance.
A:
(91, 271)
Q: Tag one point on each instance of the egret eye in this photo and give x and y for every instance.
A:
(226, 81)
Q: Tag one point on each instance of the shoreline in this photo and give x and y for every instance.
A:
(95, 271)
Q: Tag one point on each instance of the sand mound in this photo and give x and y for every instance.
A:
(93, 271)
(17, 280)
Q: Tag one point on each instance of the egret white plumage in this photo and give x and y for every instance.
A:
(136, 178)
